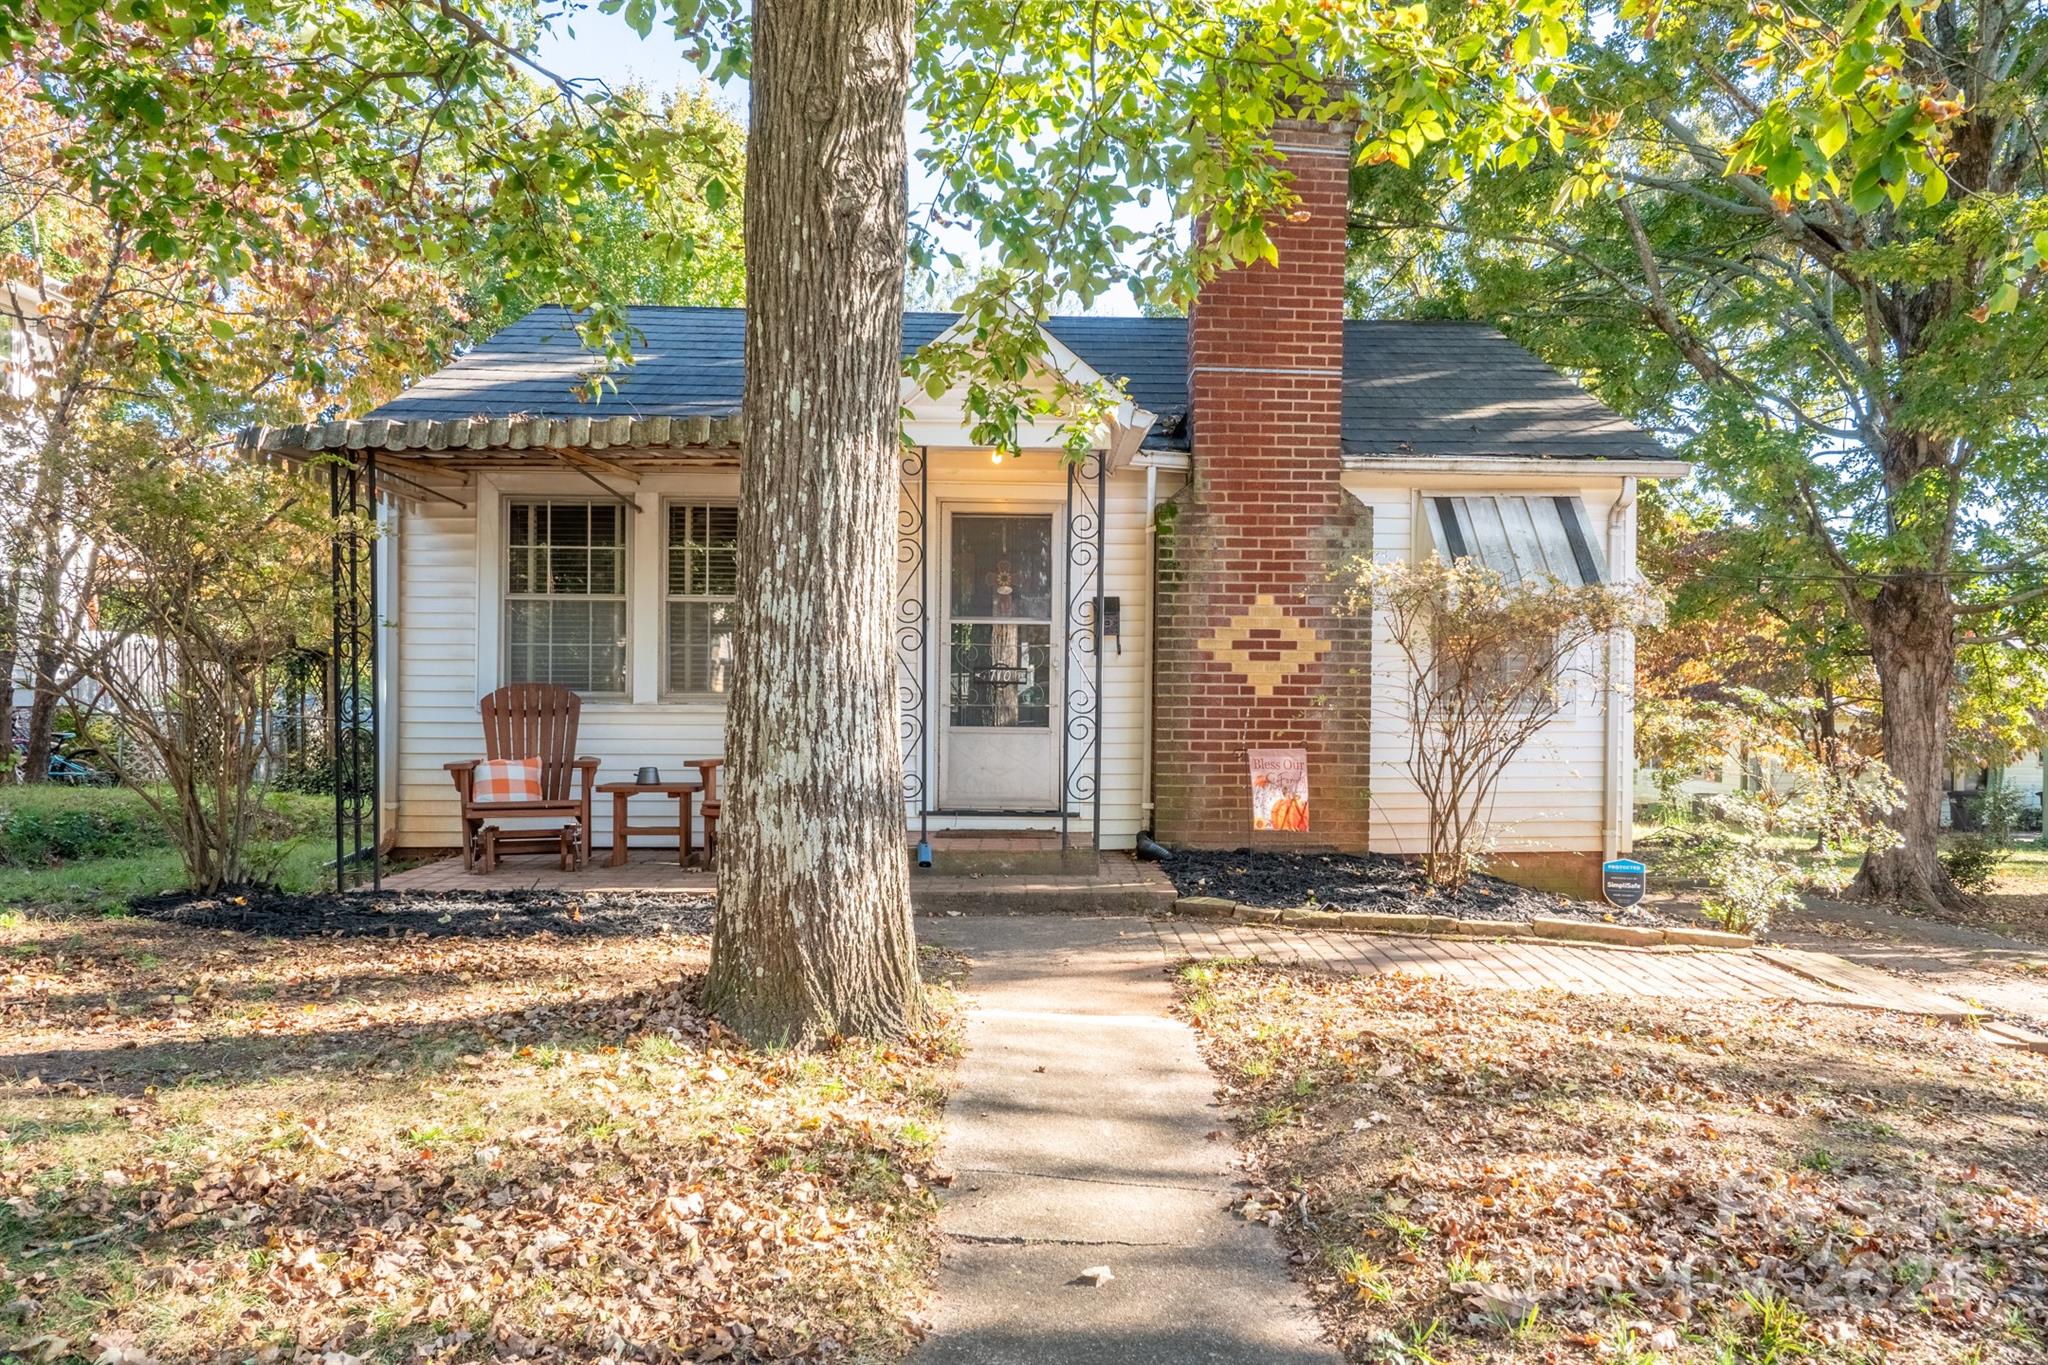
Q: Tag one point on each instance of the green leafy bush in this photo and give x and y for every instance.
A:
(1974, 861)
(1741, 855)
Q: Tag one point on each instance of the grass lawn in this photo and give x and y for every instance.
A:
(69, 849)
(1521, 1177)
(215, 1146)
(2015, 904)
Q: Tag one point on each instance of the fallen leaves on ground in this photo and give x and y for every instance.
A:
(1514, 1176)
(221, 1147)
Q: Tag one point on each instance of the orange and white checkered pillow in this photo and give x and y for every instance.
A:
(506, 779)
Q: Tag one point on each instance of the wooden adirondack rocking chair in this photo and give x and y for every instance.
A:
(529, 720)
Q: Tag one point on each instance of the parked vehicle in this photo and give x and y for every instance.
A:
(71, 764)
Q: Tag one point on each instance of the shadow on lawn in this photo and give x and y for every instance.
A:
(1612, 1160)
(561, 1214)
(128, 1067)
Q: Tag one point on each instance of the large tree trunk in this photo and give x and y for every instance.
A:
(813, 933)
(1911, 626)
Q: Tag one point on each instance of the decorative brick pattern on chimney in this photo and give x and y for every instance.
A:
(1250, 653)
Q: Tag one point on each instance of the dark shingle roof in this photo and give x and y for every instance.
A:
(1461, 388)
(1410, 388)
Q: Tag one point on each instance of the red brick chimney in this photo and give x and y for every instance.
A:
(1249, 653)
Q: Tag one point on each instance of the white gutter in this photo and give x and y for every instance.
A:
(1617, 806)
(1505, 464)
(1125, 437)
(385, 698)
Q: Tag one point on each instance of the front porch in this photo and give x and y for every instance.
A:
(971, 874)
(599, 553)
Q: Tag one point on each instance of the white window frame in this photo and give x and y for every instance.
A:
(506, 596)
(669, 691)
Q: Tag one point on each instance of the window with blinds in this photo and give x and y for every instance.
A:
(703, 574)
(565, 594)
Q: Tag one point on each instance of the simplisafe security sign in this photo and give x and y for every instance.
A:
(1624, 880)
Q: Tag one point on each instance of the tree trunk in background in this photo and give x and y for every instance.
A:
(10, 656)
(813, 934)
(1912, 642)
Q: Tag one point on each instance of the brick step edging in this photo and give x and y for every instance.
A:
(1580, 932)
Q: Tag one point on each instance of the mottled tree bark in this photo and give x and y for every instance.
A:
(1911, 625)
(813, 933)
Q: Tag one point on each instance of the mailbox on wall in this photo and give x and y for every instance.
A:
(1109, 618)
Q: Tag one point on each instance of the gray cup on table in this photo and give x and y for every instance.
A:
(649, 777)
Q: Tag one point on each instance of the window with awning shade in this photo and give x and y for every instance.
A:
(1522, 537)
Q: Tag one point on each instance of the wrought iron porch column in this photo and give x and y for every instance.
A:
(352, 503)
(1081, 719)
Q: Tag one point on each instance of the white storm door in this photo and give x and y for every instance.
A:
(998, 744)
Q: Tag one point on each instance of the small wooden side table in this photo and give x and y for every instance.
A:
(707, 769)
(622, 792)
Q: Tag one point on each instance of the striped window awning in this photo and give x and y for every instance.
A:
(1522, 537)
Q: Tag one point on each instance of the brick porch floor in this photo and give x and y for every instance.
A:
(1113, 883)
(650, 869)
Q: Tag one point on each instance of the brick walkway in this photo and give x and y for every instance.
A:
(1512, 964)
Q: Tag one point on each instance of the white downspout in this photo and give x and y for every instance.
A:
(1127, 440)
(387, 701)
(1615, 835)
(1151, 662)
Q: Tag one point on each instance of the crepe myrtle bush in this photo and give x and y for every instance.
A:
(1489, 664)
(220, 569)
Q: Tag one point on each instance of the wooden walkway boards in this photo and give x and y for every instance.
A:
(1758, 974)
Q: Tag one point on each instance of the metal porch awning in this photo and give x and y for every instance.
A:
(1525, 538)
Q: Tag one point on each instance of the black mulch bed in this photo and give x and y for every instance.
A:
(436, 914)
(1375, 881)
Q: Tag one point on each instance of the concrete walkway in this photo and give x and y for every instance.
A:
(1084, 1131)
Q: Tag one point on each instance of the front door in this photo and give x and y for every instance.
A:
(997, 743)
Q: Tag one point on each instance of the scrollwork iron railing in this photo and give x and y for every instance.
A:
(913, 628)
(1081, 673)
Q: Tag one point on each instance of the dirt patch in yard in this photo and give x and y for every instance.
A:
(1376, 881)
(442, 914)
(512, 1135)
(1523, 1177)
(2021, 914)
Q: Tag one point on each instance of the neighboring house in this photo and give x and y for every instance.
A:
(2022, 777)
(592, 545)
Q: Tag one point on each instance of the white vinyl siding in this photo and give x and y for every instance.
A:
(702, 552)
(566, 594)
(1552, 795)
(448, 652)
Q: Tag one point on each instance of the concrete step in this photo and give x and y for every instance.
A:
(1116, 885)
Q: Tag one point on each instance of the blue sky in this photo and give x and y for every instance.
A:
(603, 47)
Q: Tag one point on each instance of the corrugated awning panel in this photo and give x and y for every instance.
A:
(1522, 537)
